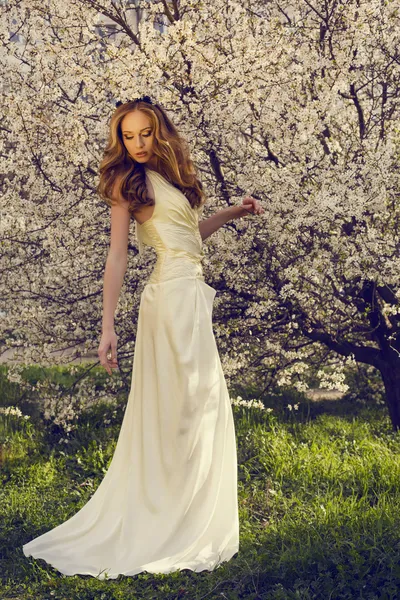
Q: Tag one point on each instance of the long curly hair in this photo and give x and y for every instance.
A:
(122, 176)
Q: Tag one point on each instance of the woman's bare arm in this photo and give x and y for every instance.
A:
(249, 206)
(116, 262)
(210, 225)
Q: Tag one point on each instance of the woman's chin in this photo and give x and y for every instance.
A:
(146, 158)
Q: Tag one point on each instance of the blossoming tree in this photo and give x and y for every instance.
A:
(294, 102)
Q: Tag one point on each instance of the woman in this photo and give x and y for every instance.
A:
(169, 498)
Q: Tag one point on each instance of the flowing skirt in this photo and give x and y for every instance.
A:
(168, 500)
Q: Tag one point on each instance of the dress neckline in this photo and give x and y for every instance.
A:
(148, 170)
(168, 183)
(162, 177)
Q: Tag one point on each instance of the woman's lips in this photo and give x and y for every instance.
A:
(141, 154)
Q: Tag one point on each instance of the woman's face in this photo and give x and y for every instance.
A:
(138, 136)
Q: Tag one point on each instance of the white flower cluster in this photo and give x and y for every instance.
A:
(286, 377)
(14, 373)
(13, 410)
(238, 401)
(334, 380)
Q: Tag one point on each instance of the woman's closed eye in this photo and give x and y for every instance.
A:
(144, 135)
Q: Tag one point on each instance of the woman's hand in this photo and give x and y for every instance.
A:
(107, 351)
(249, 206)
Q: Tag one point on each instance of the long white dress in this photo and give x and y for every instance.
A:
(168, 500)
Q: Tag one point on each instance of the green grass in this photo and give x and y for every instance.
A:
(319, 501)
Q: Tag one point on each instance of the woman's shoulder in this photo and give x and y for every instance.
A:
(118, 196)
(117, 193)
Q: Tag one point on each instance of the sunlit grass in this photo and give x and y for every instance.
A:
(319, 502)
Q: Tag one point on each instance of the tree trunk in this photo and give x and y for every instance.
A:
(390, 372)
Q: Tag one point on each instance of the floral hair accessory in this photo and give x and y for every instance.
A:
(141, 99)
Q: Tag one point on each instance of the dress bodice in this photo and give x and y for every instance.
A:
(173, 231)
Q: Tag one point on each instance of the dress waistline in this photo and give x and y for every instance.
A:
(176, 264)
(176, 278)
